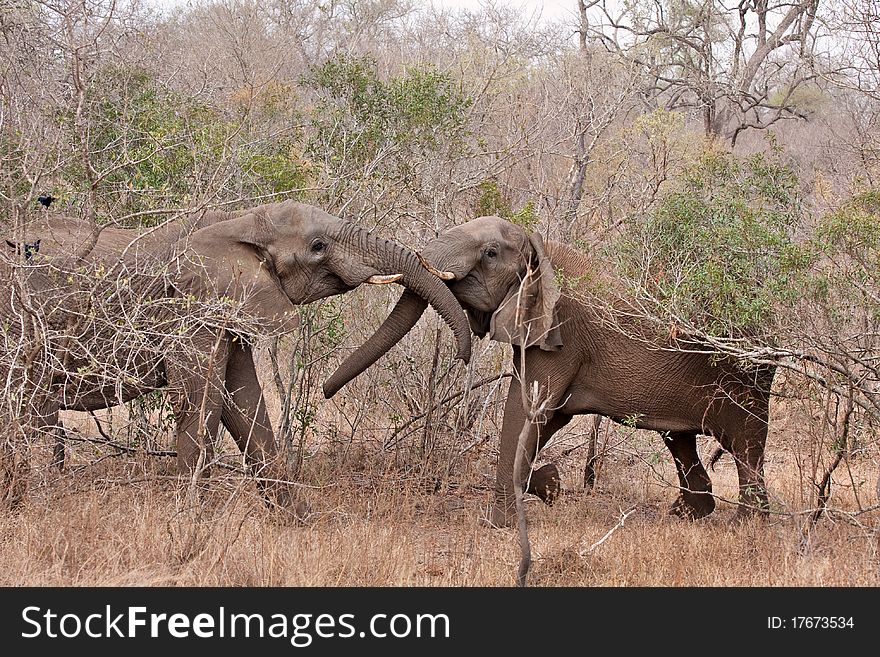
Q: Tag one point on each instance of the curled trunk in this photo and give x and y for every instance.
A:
(390, 257)
(403, 317)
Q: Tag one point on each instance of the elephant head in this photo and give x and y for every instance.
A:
(275, 256)
(500, 275)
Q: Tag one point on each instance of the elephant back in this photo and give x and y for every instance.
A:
(142, 250)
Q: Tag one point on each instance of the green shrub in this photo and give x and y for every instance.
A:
(720, 251)
(849, 240)
(492, 202)
(161, 148)
(361, 119)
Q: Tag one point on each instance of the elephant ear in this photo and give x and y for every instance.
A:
(230, 260)
(529, 310)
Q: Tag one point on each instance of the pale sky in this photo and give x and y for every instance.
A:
(549, 9)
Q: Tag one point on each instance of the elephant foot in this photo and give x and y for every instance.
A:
(546, 483)
(543, 482)
(692, 506)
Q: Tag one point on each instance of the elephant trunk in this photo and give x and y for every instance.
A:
(422, 288)
(403, 317)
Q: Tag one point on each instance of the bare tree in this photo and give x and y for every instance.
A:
(739, 67)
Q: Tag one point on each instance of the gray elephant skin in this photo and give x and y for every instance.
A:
(507, 280)
(260, 262)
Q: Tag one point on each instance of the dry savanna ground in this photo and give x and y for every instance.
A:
(126, 521)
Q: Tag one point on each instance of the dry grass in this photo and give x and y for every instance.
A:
(124, 522)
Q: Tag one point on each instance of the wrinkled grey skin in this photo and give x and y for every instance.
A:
(583, 366)
(262, 261)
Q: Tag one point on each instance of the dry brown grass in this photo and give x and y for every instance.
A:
(124, 522)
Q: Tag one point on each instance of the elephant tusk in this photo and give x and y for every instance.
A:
(384, 279)
(442, 275)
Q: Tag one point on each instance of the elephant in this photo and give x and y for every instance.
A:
(518, 289)
(209, 282)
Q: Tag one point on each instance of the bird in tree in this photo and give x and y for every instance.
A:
(28, 249)
(45, 200)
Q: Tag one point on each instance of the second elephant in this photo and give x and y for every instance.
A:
(508, 281)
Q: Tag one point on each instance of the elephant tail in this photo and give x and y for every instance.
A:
(715, 456)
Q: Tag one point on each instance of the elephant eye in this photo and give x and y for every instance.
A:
(491, 252)
(318, 246)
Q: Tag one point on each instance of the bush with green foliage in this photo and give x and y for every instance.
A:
(493, 202)
(720, 252)
(361, 119)
(160, 148)
(848, 279)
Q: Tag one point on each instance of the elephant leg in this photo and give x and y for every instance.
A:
(197, 383)
(695, 495)
(33, 412)
(196, 433)
(503, 509)
(592, 453)
(15, 469)
(48, 423)
(52, 423)
(245, 417)
(544, 482)
(58, 447)
(59, 437)
(747, 450)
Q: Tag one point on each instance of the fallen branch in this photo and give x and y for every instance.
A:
(122, 448)
(608, 534)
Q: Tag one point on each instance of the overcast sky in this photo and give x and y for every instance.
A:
(549, 9)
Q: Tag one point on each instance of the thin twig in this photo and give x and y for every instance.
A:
(608, 534)
(117, 446)
(415, 418)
